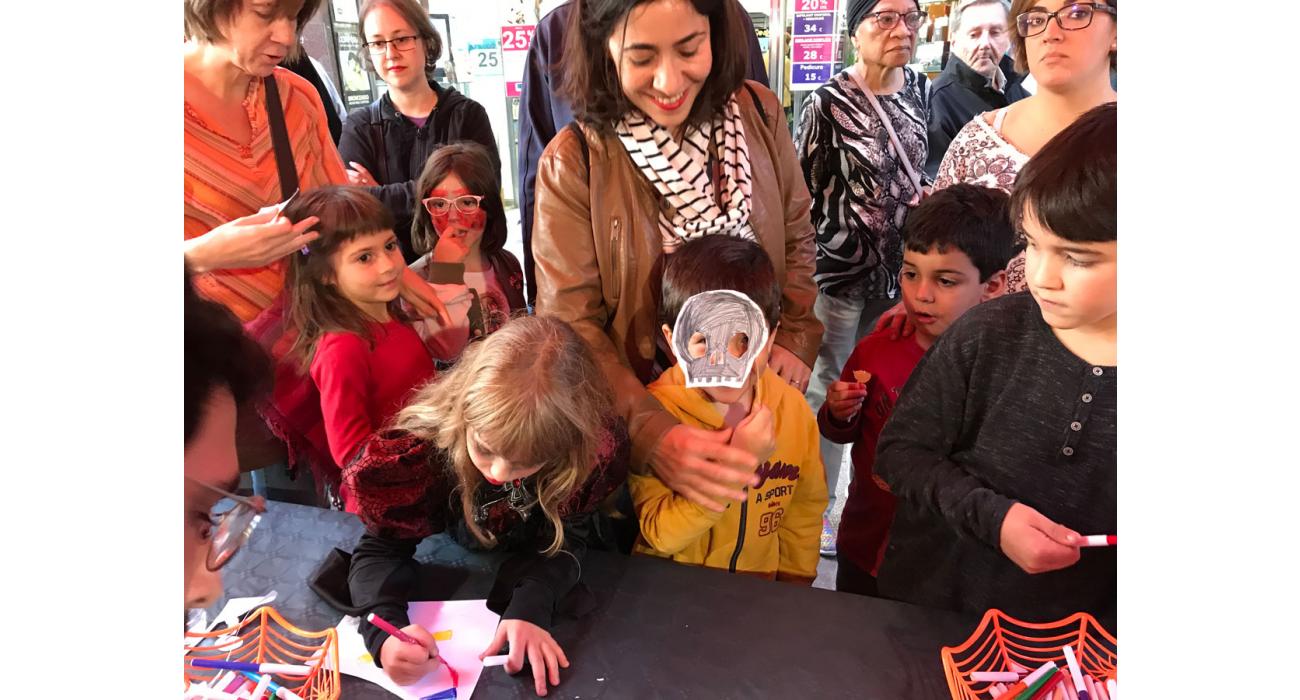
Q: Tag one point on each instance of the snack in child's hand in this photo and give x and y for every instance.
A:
(861, 376)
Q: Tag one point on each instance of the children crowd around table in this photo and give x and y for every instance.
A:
(697, 273)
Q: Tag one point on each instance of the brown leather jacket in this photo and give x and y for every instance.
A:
(597, 246)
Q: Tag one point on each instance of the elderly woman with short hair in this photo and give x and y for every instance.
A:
(862, 146)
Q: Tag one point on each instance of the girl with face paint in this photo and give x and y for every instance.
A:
(461, 227)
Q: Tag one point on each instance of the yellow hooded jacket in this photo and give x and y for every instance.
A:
(775, 532)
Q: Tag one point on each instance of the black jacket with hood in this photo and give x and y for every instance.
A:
(956, 96)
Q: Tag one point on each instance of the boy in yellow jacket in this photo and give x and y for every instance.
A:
(723, 299)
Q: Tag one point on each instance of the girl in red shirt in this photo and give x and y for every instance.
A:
(361, 352)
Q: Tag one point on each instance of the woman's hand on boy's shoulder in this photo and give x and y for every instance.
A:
(530, 643)
(1035, 542)
(702, 467)
(897, 321)
(789, 367)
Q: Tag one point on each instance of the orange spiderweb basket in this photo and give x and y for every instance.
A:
(1002, 640)
(266, 637)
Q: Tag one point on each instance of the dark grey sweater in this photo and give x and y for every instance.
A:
(998, 411)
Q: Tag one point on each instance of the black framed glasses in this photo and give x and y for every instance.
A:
(232, 527)
(888, 19)
(465, 204)
(1070, 18)
(399, 43)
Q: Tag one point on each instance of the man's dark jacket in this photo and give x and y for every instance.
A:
(956, 96)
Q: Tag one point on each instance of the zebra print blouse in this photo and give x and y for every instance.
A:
(859, 190)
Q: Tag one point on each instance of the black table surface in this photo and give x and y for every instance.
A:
(660, 629)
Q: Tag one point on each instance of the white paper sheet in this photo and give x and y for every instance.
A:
(471, 626)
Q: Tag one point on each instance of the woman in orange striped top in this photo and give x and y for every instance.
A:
(234, 239)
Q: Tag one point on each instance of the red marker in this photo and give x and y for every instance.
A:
(1099, 541)
(388, 627)
(403, 637)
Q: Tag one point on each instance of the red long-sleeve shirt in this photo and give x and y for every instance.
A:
(362, 387)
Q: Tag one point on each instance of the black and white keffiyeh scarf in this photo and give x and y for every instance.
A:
(680, 174)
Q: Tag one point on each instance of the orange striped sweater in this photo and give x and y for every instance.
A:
(225, 180)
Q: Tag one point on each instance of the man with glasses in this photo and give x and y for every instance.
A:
(978, 77)
(224, 372)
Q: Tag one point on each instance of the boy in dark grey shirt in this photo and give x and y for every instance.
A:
(1001, 450)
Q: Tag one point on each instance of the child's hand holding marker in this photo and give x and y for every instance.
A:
(1036, 543)
(408, 654)
(528, 643)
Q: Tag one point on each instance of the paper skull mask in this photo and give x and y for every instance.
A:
(717, 336)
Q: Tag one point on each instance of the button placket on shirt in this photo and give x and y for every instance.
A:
(1082, 409)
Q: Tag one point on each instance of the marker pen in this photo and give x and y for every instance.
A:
(448, 694)
(1042, 688)
(496, 660)
(278, 690)
(1015, 690)
(1092, 687)
(1111, 687)
(390, 628)
(1099, 541)
(1101, 690)
(231, 682)
(260, 691)
(282, 669)
(1075, 672)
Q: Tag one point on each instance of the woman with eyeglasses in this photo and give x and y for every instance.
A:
(235, 238)
(1069, 48)
(224, 372)
(387, 143)
(461, 225)
(238, 180)
(862, 146)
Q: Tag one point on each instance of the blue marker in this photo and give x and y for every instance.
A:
(448, 694)
(276, 689)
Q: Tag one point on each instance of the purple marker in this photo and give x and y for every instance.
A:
(282, 669)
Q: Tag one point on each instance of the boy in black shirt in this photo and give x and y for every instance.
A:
(1001, 450)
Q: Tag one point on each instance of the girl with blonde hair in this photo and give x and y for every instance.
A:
(516, 446)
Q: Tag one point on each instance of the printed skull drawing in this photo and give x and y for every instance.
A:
(716, 338)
